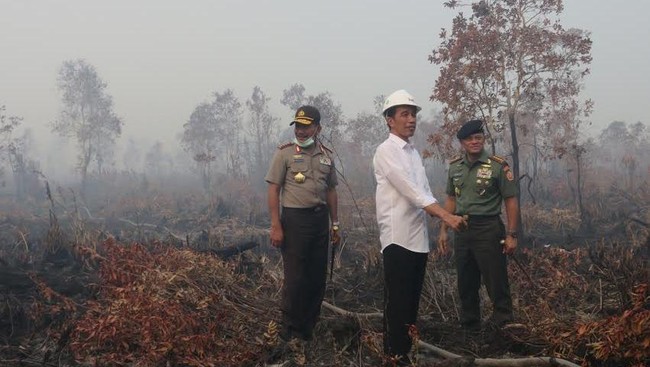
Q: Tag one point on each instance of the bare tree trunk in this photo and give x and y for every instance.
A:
(205, 175)
(515, 168)
(570, 185)
(581, 208)
(20, 173)
(585, 225)
(535, 164)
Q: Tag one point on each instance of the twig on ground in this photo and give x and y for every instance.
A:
(488, 362)
(343, 312)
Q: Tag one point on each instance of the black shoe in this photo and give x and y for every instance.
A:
(285, 334)
(398, 360)
(404, 361)
(498, 323)
(303, 336)
(472, 326)
(279, 352)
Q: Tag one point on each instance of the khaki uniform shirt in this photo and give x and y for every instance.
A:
(480, 187)
(305, 175)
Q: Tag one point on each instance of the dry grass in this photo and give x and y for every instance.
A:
(153, 297)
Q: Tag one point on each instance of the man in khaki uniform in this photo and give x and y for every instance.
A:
(302, 200)
(477, 185)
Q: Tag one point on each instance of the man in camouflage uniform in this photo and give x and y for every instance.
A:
(477, 185)
(302, 200)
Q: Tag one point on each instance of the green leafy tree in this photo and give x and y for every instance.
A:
(507, 55)
(87, 115)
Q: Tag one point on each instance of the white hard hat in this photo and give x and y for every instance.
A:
(399, 98)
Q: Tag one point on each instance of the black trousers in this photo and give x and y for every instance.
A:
(403, 278)
(304, 255)
(479, 254)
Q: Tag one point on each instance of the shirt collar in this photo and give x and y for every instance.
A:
(399, 141)
(313, 149)
(484, 158)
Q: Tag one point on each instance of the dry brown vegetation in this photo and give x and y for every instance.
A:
(145, 281)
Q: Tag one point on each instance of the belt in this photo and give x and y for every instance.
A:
(479, 217)
(314, 209)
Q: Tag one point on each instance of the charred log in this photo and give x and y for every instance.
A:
(230, 251)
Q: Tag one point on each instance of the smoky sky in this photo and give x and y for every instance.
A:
(162, 58)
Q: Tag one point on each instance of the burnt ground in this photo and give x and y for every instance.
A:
(181, 282)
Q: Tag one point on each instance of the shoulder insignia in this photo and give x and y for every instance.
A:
(456, 159)
(284, 145)
(500, 160)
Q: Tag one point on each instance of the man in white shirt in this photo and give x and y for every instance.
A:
(403, 199)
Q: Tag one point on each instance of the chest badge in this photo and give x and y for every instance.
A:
(484, 172)
(299, 177)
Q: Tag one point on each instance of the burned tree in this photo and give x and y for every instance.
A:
(213, 132)
(261, 130)
(505, 54)
(14, 151)
(87, 115)
(331, 112)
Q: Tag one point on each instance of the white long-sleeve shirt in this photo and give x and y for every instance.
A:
(402, 191)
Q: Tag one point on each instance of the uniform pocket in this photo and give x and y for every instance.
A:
(458, 183)
(298, 166)
(325, 168)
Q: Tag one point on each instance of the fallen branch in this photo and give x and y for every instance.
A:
(637, 220)
(155, 226)
(488, 362)
(343, 312)
(230, 251)
(26, 361)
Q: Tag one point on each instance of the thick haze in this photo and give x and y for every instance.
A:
(162, 58)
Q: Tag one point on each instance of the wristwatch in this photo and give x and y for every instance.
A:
(512, 234)
(335, 226)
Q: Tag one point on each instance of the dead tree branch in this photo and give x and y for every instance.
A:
(487, 362)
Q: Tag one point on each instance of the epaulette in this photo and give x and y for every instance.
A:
(500, 160)
(326, 148)
(284, 145)
(456, 159)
